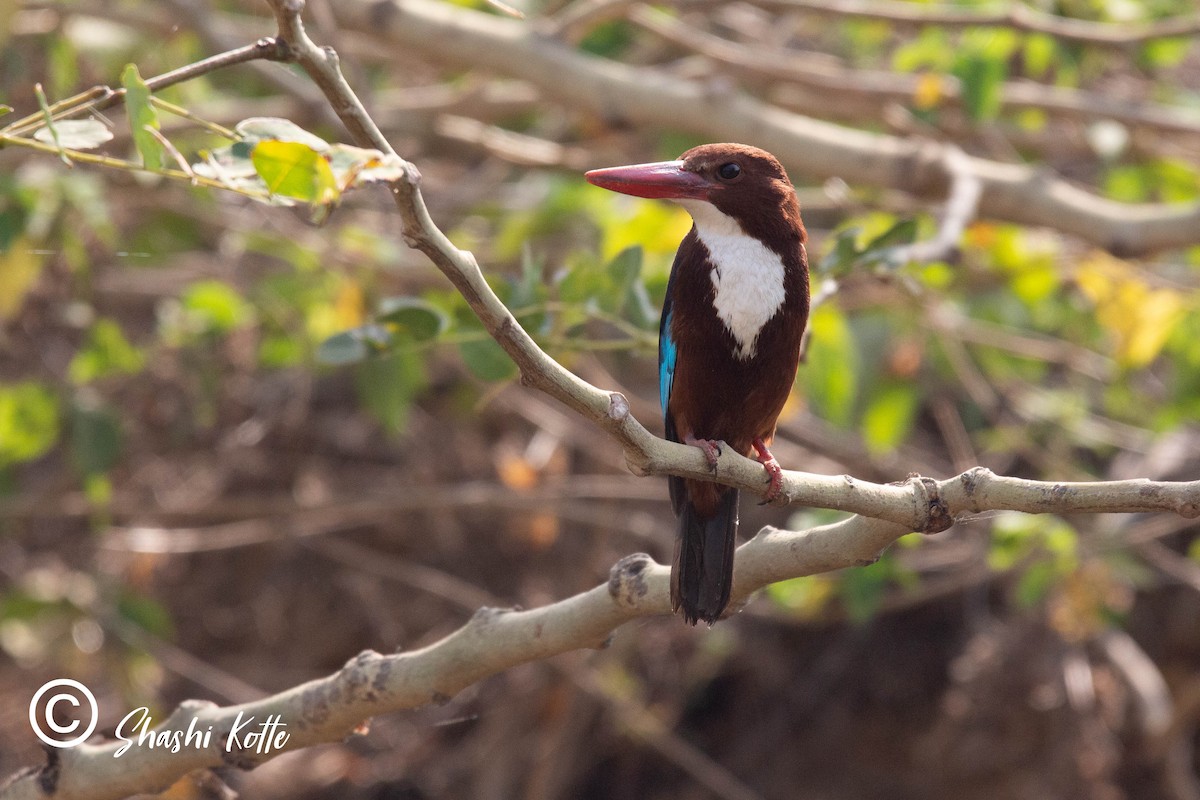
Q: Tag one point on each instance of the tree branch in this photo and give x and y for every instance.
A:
(1015, 15)
(493, 640)
(869, 89)
(627, 94)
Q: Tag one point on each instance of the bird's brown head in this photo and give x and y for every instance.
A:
(742, 182)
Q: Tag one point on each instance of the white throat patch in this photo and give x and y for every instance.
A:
(747, 275)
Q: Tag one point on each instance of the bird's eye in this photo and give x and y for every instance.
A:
(728, 172)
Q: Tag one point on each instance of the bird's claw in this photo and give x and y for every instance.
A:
(711, 449)
(774, 473)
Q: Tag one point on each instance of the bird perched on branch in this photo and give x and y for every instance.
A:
(729, 340)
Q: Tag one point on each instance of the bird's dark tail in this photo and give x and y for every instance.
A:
(702, 573)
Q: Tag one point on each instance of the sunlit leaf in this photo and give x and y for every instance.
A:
(105, 352)
(20, 266)
(805, 597)
(830, 375)
(889, 416)
(295, 170)
(1038, 54)
(981, 79)
(142, 117)
(214, 306)
(929, 92)
(29, 421)
(1166, 53)
(930, 49)
(1140, 318)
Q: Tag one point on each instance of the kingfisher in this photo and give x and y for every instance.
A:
(728, 341)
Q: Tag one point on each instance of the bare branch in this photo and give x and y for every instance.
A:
(621, 93)
(869, 89)
(1015, 15)
(495, 640)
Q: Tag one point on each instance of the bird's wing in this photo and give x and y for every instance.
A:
(668, 351)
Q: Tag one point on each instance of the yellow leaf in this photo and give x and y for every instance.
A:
(928, 91)
(350, 305)
(1139, 318)
(1160, 312)
(19, 270)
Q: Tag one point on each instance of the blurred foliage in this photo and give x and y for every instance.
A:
(1055, 360)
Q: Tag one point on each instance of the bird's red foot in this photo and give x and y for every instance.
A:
(710, 447)
(774, 471)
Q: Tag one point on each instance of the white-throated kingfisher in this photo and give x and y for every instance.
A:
(729, 340)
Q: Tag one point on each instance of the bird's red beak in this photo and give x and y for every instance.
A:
(662, 180)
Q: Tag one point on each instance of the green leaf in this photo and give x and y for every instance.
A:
(981, 77)
(609, 39)
(889, 417)
(830, 375)
(388, 385)
(295, 170)
(353, 346)
(95, 437)
(902, 232)
(1035, 582)
(29, 423)
(75, 134)
(930, 49)
(623, 272)
(1038, 54)
(863, 590)
(214, 307)
(105, 352)
(806, 597)
(142, 117)
(1165, 53)
(412, 318)
(487, 360)
(843, 257)
(146, 613)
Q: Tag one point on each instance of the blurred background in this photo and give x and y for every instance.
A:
(209, 489)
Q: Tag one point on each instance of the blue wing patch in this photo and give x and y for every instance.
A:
(667, 352)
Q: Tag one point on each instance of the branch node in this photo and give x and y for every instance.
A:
(618, 407)
(933, 513)
(486, 614)
(362, 659)
(627, 579)
(972, 478)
